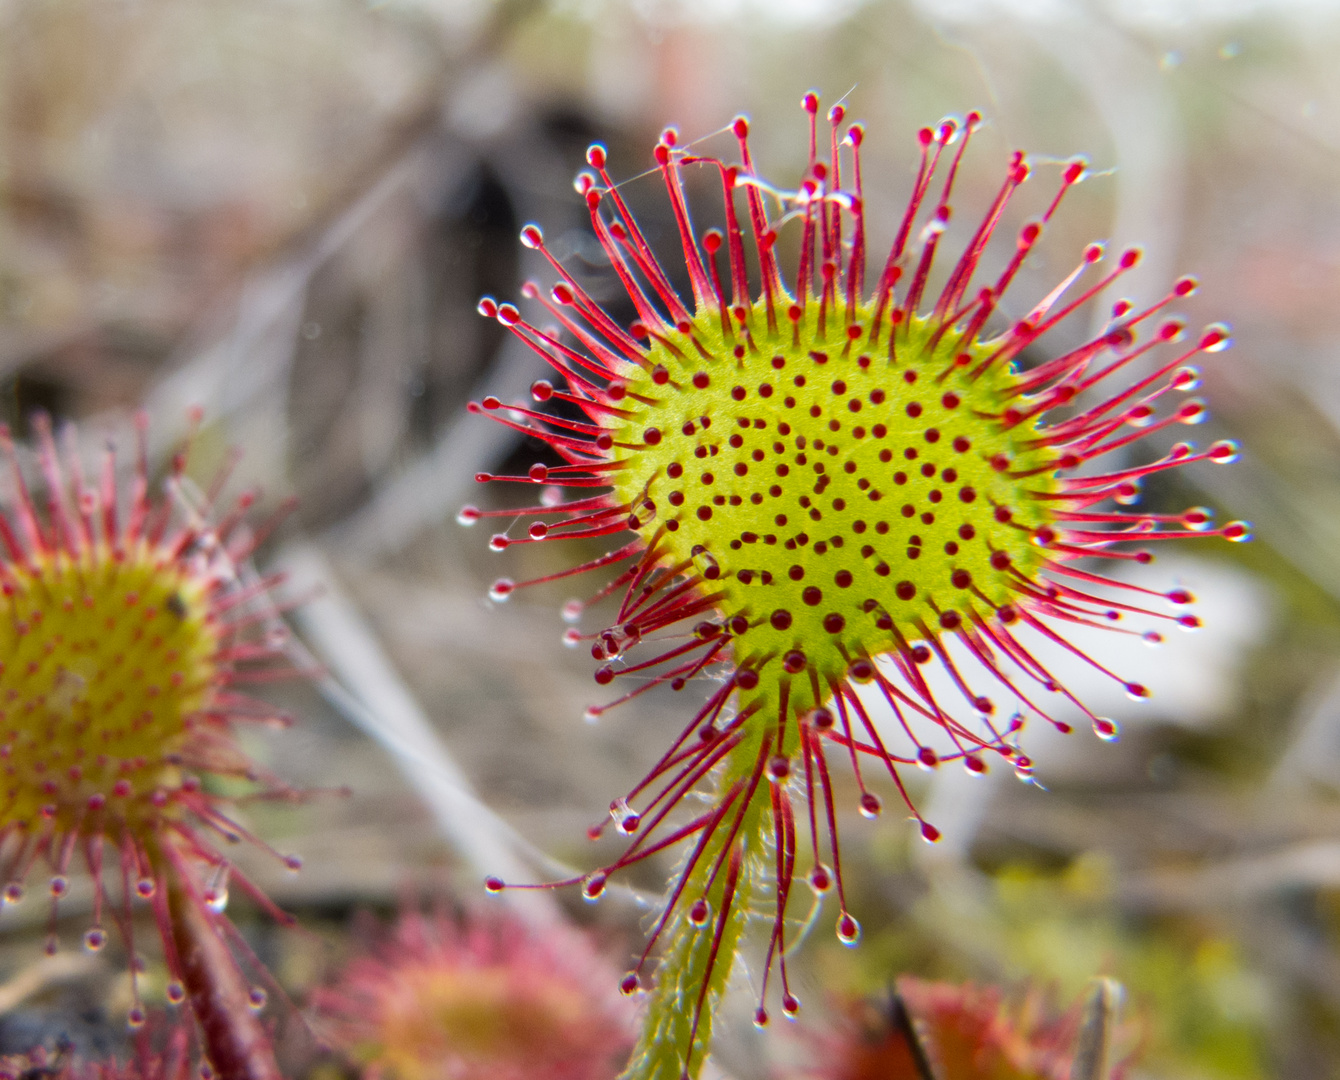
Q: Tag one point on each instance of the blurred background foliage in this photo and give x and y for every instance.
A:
(285, 212)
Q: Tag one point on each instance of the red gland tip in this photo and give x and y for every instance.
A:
(1106, 729)
(930, 833)
(1185, 379)
(630, 985)
(1171, 329)
(488, 307)
(532, 236)
(1216, 338)
(848, 930)
(595, 156)
(1131, 257)
(1193, 412)
(494, 884)
(810, 103)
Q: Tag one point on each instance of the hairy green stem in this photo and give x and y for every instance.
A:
(697, 960)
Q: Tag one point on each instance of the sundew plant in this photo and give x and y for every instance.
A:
(132, 630)
(836, 482)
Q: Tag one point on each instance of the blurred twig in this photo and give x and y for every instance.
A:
(62, 967)
(364, 687)
(1093, 1046)
(430, 488)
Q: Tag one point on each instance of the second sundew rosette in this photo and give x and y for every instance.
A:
(133, 629)
(829, 484)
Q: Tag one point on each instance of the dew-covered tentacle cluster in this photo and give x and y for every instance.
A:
(833, 487)
(129, 633)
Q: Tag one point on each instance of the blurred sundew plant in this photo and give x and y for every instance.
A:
(132, 626)
(834, 487)
(1204, 1009)
(951, 1031)
(476, 997)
